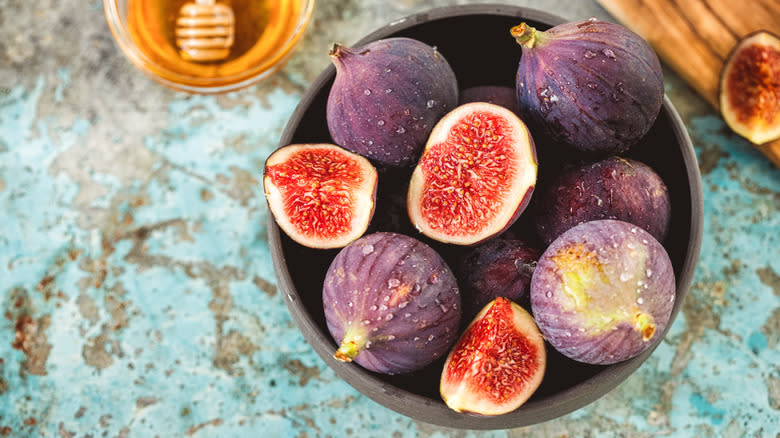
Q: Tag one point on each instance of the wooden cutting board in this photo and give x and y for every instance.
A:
(694, 37)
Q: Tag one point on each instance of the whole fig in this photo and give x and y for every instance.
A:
(392, 303)
(499, 267)
(386, 98)
(612, 188)
(603, 292)
(593, 85)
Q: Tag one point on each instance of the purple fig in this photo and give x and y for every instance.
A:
(392, 303)
(499, 267)
(386, 98)
(612, 188)
(593, 85)
(495, 94)
(603, 292)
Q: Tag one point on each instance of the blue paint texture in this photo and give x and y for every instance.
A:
(137, 294)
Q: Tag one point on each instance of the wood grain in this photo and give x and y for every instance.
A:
(694, 37)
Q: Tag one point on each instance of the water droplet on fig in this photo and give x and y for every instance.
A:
(649, 272)
(391, 283)
(400, 130)
(589, 54)
(430, 103)
(349, 304)
(609, 53)
(406, 315)
(381, 123)
(387, 70)
(592, 85)
(640, 300)
(368, 249)
(549, 294)
(389, 317)
(367, 92)
(388, 91)
(366, 321)
(430, 337)
(444, 309)
(625, 276)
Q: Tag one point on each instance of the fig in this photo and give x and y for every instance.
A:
(391, 303)
(750, 88)
(475, 176)
(612, 188)
(603, 292)
(499, 267)
(386, 97)
(497, 364)
(321, 195)
(496, 94)
(592, 85)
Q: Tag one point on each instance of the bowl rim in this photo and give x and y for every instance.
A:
(423, 408)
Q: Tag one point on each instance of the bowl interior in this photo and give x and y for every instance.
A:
(470, 38)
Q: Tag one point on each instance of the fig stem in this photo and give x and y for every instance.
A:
(350, 346)
(335, 50)
(645, 325)
(526, 36)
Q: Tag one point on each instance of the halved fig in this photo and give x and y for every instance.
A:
(321, 195)
(497, 364)
(750, 88)
(476, 175)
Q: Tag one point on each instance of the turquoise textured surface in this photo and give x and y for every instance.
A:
(137, 294)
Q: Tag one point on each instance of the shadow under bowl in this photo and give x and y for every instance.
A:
(469, 37)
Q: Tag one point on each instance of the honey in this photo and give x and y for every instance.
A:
(219, 42)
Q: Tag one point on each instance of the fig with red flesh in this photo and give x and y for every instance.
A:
(603, 292)
(497, 364)
(750, 88)
(499, 267)
(391, 303)
(496, 94)
(321, 195)
(475, 176)
(592, 85)
(612, 188)
(386, 97)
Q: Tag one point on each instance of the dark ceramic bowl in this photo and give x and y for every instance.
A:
(469, 37)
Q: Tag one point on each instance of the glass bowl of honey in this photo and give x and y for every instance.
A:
(208, 46)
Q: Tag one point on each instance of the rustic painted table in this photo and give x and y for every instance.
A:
(137, 295)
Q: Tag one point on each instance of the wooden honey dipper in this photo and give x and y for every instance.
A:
(205, 31)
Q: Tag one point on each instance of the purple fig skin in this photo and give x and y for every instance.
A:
(612, 188)
(603, 292)
(593, 85)
(392, 303)
(386, 98)
(499, 267)
(495, 94)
